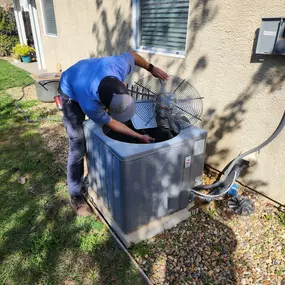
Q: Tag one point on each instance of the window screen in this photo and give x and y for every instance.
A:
(49, 17)
(163, 25)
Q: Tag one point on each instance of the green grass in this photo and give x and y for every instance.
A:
(42, 241)
(11, 76)
(281, 217)
(141, 249)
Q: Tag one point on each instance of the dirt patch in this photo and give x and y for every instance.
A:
(16, 93)
(30, 93)
(56, 140)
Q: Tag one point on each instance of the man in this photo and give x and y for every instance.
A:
(90, 87)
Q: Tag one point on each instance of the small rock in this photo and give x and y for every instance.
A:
(210, 273)
(32, 191)
(146, 256)
(198, 259)
(243, 281)
(22, 180)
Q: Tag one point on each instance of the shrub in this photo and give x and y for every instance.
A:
(7, 43)
(8, 31)
(8, 24)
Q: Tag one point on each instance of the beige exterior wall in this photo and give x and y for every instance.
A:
(244, 97)
(2, 2)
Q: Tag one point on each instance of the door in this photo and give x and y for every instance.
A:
(20, 22)
(36, 33)
(27, 20)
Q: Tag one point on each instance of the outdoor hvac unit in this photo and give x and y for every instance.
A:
(142, 189)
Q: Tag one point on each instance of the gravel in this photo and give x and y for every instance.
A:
(216, 246)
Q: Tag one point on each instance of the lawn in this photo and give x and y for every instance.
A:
(11, 76)
(42, 241)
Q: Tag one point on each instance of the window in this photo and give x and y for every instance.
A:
(49, 18)
(160, 25)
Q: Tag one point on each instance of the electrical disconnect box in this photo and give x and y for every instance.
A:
(271, 38)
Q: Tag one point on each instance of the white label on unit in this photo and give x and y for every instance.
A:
(187, 161)
(269, 33)
(198, 181)
(199, 147)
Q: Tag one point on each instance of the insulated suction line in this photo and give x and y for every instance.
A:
(256, 149)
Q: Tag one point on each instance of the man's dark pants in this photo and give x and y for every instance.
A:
(73, 118)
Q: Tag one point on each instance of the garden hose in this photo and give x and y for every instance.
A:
(25, 113)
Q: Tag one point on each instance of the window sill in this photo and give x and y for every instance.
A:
(160, 53)
(51, 36)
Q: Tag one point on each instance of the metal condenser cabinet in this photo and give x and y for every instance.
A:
(139, 183)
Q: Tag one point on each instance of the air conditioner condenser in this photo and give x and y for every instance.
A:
(143, 189)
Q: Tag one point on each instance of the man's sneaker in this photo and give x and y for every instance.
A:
(80, 206)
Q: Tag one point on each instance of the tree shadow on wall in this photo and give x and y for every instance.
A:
(268, 76)
(115, 38)
(111, 39)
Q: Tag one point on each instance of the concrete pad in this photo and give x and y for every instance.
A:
(31, 67)
(144, 232)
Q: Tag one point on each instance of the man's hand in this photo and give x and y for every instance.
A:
(146, 139)
(159, 73)
(141, 62)
(123, 129)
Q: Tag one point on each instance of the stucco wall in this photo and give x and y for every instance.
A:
(244, 97)
(2, 2)
(86, 29)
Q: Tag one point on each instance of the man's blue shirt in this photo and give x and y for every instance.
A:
(80, 82)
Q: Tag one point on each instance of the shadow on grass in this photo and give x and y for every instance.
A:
(42, 241)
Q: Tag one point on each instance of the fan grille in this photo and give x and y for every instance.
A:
(175, 100)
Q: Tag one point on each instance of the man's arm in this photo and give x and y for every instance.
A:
(123, 129)
(141, 62)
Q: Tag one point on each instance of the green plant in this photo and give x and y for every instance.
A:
(212, 212)
(281, 216)
(141, 249)
(7, 22)
(7, 43)
(8, 31)
(23, 50)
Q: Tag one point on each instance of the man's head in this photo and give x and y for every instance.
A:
(115, 96)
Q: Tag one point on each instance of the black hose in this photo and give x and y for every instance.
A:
(25, 113)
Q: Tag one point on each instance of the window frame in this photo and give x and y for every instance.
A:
(44, 21)
(154, 50)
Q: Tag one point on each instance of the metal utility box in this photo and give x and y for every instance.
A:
(140, 183)
(271, 38)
